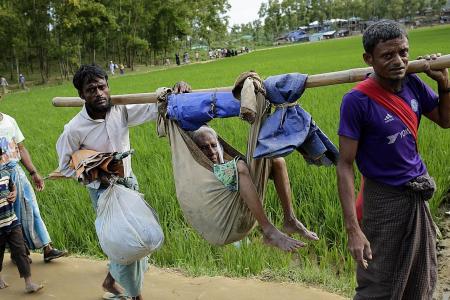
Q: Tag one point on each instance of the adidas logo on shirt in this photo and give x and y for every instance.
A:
(388, 118)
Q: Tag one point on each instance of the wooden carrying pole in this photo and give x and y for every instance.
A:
(347, 76)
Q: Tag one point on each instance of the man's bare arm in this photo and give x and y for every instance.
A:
(25, 158)
(358, 244)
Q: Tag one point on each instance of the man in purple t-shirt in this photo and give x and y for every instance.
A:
(395, 246)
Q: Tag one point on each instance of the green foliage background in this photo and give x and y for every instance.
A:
(66, 207)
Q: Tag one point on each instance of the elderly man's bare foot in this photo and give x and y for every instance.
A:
(110, 285)
(276, 238)
(3, 284)
(295, 226)
(33, 288)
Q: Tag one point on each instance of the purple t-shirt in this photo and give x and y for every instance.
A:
(386, 148)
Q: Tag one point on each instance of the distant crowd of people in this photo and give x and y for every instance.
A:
(225, 52)
(210, 54)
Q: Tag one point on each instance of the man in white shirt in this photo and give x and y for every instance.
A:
(103, 127)
(111, 67)
(3, 84)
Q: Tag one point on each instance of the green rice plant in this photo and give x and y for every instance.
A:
(67, 210)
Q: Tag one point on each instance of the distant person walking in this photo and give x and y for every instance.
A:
(121, 69)
(186, 58)
(22, 82)
(177, 59)
(3, 84)
(197, 56)
(111, 67)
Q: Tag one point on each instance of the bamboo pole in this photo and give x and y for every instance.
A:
(347, 76)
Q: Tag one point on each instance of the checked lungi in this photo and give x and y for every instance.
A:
(398, 224)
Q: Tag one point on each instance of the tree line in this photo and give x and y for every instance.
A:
(56, 36)
(280, 16)
(37, 35)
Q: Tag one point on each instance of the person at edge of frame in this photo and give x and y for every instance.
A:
(395, 247)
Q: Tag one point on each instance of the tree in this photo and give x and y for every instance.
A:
(12, 39)
(274, 24)
(207, 23)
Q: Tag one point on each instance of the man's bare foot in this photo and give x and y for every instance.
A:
(295, 226)
(276, 238)
(3, 284)
(110, 285)
(33, 288)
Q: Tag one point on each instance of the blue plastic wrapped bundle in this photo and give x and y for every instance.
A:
(192, 110)
(290, 127)
(317, 148)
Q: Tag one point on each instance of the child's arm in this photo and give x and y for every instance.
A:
(12, 192)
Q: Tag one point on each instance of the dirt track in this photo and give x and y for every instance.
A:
(443, 285)
(79, 278)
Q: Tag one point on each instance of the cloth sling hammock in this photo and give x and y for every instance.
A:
(219, 215)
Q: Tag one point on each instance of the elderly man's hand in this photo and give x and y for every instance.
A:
(181, 87)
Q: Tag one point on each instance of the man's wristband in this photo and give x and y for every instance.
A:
(32, 173)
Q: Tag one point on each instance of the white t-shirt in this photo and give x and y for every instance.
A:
(10, 136)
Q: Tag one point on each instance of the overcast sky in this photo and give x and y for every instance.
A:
(243, 11)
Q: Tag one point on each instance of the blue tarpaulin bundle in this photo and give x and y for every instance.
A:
(290, 127)
(196, 109)
(287, 129)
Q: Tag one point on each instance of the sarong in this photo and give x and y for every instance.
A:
(27, 210)
(398, 224)
(131, 276)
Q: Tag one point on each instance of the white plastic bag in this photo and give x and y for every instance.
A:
(127, 227)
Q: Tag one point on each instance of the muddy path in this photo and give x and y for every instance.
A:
(443, 285)
(73, 278)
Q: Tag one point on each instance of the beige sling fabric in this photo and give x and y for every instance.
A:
(217, 214)
(245, 89)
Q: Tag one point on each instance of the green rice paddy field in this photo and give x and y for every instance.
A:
(66, 207)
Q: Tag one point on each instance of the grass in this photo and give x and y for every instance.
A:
(66, 207)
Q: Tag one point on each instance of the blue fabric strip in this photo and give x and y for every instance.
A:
(192, 110)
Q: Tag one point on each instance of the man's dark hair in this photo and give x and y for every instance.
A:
(382, 31)
(86, 73)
